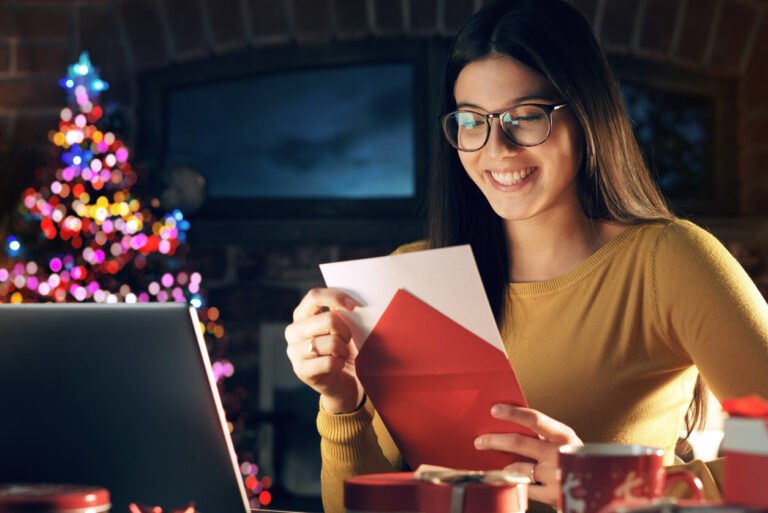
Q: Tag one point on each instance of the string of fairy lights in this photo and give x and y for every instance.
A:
(101, 243)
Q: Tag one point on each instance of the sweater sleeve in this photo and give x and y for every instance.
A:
(352, 444)
(355, 443)
(710, 311)
(710, 473)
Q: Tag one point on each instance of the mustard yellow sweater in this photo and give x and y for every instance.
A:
(611, 348)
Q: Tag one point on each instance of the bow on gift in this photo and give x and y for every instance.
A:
(135, 508)
(752, 406)
(459, 479)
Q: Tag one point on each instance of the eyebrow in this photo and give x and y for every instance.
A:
(516, 101)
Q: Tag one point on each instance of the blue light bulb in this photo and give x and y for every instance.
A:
(13, 246)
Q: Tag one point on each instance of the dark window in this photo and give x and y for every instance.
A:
(331, 133)
(675, 136)
(685, 124)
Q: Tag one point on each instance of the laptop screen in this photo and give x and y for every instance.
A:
(119, 396)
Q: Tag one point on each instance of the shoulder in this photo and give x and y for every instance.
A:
(686, 253)
(419, 245)
(678, 238)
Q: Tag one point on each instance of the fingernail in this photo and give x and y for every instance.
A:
(350, 303)
(479, 442)
(497, 410)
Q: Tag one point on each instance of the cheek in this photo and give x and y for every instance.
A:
(468, 160)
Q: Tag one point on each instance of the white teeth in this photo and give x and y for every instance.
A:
(512, 178)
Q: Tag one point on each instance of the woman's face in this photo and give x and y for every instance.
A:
(520, 182)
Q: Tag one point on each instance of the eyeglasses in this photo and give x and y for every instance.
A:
(528, 124)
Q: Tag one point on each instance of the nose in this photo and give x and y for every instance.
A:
(499, 144)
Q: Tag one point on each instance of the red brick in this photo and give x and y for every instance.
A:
(753, 167)
(43, 58)
(697, 22)
(658, 25)
(145, 32)
(619, 22)
(6, 16)
(389, 17)
(269, 20)
(30, 93)
(351, 18)
(736, 20)
(225, 17)
(312, 20)
(754, 81)
(588, 7)
(753, 130)
(33, 130)
(423, 16)
(186, 25)
(456, 14)
(42, 22)
(4, 57)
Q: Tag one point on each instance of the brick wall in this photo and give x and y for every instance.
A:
(261, 284)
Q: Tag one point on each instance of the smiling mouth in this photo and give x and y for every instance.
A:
(513, 178)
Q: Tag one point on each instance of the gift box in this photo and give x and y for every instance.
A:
(53, 498)
(745, 447)
(437, 492)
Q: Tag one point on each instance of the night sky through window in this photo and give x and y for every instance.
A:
(674, 133)
(343, 132)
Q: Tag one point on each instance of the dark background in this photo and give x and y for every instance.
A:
(258, 259)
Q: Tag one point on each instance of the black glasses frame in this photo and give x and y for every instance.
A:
(548, 110)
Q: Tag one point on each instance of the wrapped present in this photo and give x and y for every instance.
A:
(437, 490)
(745, 447)
(53, 498)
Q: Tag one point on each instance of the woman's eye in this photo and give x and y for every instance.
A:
(531, 118)
(468, 121)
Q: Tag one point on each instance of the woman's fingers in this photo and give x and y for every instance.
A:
(317, 299)
(523, 445)
(326, 323)
(542, 450)
(544, 426)
(323, 345)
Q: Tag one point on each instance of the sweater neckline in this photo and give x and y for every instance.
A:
(578, 272)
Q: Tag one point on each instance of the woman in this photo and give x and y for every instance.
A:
(609, 306)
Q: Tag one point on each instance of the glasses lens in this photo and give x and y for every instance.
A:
(527, 125)
(465, 130)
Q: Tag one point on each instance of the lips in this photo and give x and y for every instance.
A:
(511, 177)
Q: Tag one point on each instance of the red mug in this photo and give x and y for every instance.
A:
(595, 475)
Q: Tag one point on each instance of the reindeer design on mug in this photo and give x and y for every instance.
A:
(572, 504)
(624, 490)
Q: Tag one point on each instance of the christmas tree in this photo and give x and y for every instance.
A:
(80, 233)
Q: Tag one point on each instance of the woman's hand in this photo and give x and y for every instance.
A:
(320, 350)
(543, 450)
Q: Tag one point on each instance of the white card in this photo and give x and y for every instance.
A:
(447, 279)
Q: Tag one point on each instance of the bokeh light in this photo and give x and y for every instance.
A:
(80, 233)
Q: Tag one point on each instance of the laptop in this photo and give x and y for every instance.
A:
(115, 395)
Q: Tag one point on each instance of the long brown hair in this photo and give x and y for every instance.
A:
(556, 40)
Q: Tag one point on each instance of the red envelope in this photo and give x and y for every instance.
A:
(433, 383)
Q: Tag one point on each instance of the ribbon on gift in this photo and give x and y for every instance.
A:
(459, 479)
(139, 508)
(752, 406)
